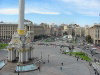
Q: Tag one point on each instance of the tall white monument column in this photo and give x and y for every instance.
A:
(21, 30)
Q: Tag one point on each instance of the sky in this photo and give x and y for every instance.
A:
(82, 12)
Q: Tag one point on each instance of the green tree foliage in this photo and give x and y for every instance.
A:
(65, 33)
(73, 33)
(2, 46)
(89, 39)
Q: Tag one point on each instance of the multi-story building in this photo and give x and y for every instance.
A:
(54, 31)
(78, 31)
(63, 29)
(8, 29)
(47, 28)
(70, 31)
(82, 31)
(74, 30)
(95, 33)
(87, 31)
(38, 30)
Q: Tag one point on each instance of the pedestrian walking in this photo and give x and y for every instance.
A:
(90, 64)
(94, 60)
(39, 68)
(95, 72)
(60, 68)
(62, 63)
(77, 58)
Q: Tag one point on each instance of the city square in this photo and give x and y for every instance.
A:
(70, 67)
(51, 47)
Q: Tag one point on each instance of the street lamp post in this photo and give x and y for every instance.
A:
(48, 58)
(18, 68)
(41, 54)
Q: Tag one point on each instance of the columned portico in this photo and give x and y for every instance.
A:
(11, 54)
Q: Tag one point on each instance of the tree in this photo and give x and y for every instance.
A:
(65, 33)
(89, 39)
(73, 33)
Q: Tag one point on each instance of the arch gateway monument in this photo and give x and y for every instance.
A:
(20, 48)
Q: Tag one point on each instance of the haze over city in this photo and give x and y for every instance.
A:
(82, 12)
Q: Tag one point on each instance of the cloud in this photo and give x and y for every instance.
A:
(84, 3)
(83, 7)
(9, 11)
(89, 13)
(14, 11)
(52, 13)
(43, 12)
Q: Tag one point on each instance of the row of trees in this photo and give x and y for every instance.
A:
(39, 37)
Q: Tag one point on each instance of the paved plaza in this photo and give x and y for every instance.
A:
(70, 64)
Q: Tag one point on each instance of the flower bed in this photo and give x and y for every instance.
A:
(2, 46)
(81, 55)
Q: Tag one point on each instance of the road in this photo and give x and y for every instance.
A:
(95, 55)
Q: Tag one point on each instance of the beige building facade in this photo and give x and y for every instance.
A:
(54, 31)
(47, 29)
(38, 30)
(78, 31)
(95, 33)
(87, 32)
(8, 29)
(62, 29)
